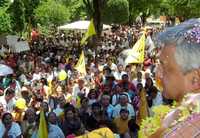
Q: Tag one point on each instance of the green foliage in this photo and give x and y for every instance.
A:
(144, 7)
(30, 5)
(5, 26)
(184, 8)
(116, 11)
(4, 3)
(77, 10)
(51, 12)
(16, 11)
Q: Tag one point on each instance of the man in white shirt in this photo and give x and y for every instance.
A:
(139, 79)
(79, 89)
(118, 74)
(8, 100)
(123, 104)
(110, 64)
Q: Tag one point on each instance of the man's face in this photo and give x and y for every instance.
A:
(123, 100)
(9, 96)
(125, 78)
(120, 68)
(170, 74)
(81, 83)
(124, 115)
(139, 75)
(105, 101)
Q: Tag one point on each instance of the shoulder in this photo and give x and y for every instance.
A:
(189, 128)
(15, 125)
(54, 128)
(117, 106)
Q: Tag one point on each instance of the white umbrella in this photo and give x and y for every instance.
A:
(5, 70)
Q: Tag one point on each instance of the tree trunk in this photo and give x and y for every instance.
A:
(97, 4)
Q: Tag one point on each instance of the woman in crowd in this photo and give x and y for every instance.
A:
(8, 128)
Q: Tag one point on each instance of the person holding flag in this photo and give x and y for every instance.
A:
(90, 32)
(137, 53)
(47, 130)
(80, 66)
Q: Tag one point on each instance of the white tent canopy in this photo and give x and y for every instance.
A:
(79, 25)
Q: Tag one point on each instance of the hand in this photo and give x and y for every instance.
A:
(8, 127)
(170, 118)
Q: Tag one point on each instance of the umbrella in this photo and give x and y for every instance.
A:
(5, 70)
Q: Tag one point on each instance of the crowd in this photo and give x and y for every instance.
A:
(112, 94)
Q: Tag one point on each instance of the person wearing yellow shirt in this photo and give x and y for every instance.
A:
(121, 122)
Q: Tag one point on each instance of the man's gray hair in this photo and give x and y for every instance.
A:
(187, 52)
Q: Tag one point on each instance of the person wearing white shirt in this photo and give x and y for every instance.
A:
(8, 100)
(110, 64)
(79, 89)
(118, 74)
(123, 104)
(157, 98)
(53, 132)
(139, 79)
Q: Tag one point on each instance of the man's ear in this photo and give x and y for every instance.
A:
(193, 80)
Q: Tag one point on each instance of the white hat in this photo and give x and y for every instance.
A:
(24, 89)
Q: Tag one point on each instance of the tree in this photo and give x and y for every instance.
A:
(144, 8)
(5, 23)
(76, 8)
(107, 11)
(30, 6)
(113, 9)
(4, 3)
(184, 8)
(16, 11)
(51, 12)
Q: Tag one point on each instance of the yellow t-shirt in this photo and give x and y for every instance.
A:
(99, 133)
(122, 125)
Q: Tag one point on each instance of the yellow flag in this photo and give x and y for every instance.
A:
(42, 131)
(99, 133)
(177, 21)
(78, 102)
(90, 32)
(137, 53)
(80, 66)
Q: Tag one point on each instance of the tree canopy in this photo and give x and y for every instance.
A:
(51, 12)
(5, 23)
(17, 15)
(113, 9)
